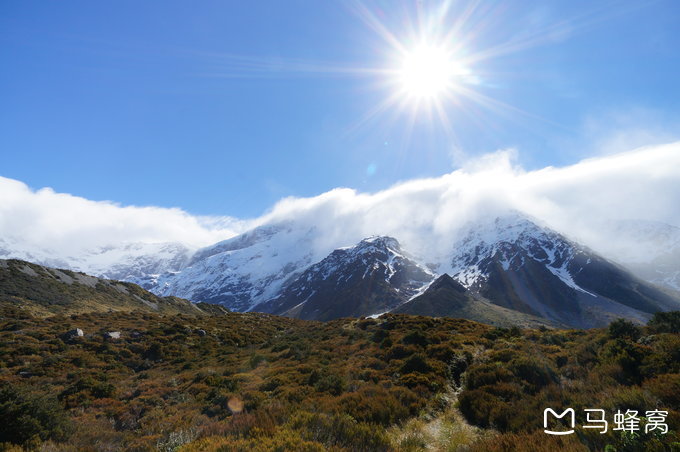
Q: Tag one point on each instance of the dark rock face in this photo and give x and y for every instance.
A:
(371, 277)
(446, 297)
(519, 265)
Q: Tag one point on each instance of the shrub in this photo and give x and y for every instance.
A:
(623, 329)
(89, 386)
(330, 383)
(256, 359)
(486, 374)
(477, 406)
(26, 416)
(665, 322)
(415, 338)
(533, 371)
(667, 388)
(441, 352)
(377, 405)
(500, 332)
(155, 352)
(525, 442)
(339, 430)
(627, 355)
(379, 335)
(400, 352)
(416, 363)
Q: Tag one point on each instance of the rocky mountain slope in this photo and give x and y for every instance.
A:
(44, 291)
(520, 265)
(508, 267)
(446, 297)
(140, 263)
(244, 271)
(374, 276)
(510, 261)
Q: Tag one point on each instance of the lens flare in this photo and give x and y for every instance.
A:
(428, 72)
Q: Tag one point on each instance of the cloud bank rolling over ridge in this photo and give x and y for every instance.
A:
(424, 214)
(68, 224)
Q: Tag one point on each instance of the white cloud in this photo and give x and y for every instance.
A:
(576, 200)
(423, 214)
(67, 224)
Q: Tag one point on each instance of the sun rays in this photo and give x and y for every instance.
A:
(432, 67)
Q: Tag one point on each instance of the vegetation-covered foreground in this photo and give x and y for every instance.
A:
(259, 382)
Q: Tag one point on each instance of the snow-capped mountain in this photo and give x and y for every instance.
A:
(140, 263)
(517, 264)
(295, 269)
(243, 271)
(13, 248)
(510, 239)
(374, 276)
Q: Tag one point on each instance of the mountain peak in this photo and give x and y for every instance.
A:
(373, 276)
(508, 227)
(445, 281)
(446, 297)
(377, 243)
(381, 241)
(509, 240)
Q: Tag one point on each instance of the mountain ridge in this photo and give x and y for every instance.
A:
(375, 275)
(446, 297)
(44, 291)
(509, 260)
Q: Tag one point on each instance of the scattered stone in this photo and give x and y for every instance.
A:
(121, 288)
(646, 340)
(61, 276)
(86, 280)
(112, 335)
(201, 333)
(73, 334)
(28, 270)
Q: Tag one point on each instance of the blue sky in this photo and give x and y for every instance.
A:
(224, 107)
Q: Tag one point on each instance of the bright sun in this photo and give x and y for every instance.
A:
(427, 73)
